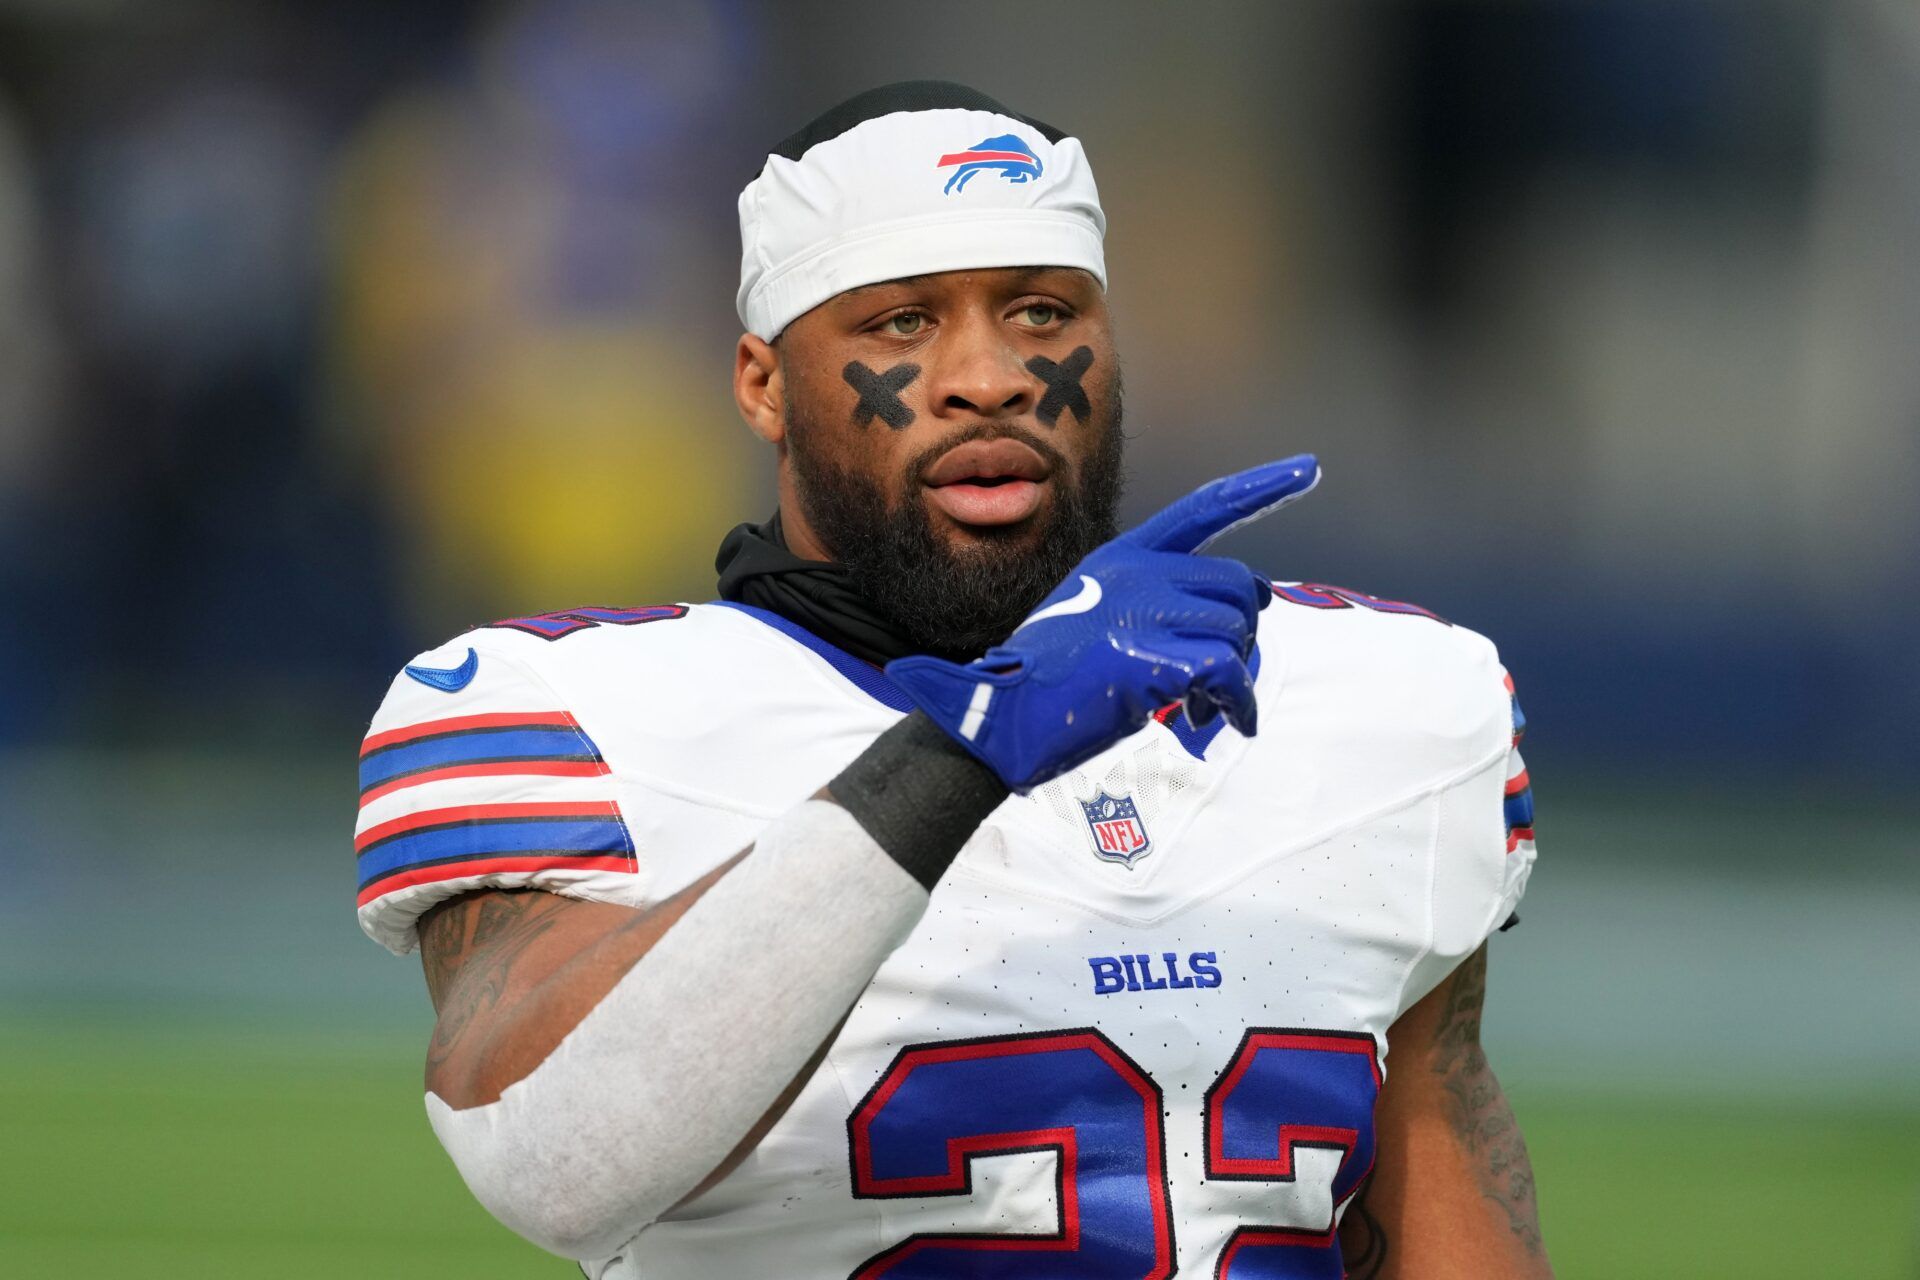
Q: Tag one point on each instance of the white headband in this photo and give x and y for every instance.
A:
(890, 185)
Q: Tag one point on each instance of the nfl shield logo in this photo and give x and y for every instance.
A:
(1118, 833)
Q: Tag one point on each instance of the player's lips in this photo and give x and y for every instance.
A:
(988, 481)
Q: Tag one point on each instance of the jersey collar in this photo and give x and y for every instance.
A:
(864, 676)
(873, 682)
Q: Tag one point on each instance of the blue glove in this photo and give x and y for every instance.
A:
(1142, 622)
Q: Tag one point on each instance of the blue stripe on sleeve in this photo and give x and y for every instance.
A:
(492, 837)
(473, 747)
(1520, 809)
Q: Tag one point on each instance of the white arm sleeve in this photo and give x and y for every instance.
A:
(658, 1084)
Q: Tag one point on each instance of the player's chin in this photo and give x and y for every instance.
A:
(994, 511)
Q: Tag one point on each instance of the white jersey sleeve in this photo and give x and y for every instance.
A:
(475, 774)
(1484, 848)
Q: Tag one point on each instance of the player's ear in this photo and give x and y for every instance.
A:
(759, 388)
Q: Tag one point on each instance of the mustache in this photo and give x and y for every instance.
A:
(958, 600)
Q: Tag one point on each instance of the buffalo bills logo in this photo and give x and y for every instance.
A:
(1118, 833)
(1013, 158)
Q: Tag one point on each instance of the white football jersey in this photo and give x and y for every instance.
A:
(1143, 1023)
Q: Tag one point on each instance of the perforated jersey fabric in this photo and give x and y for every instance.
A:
(1299, 891)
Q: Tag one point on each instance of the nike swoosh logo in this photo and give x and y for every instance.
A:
(448, 679)
(1081, 601)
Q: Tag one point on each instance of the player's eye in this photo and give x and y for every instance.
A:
(905, 325)
(1040, 314)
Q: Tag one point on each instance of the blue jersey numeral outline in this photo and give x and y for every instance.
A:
(564, 622)
(1296, 1075)
(1318, 595)
(939, 1106)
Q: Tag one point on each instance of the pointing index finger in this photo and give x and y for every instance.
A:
(1224, 504)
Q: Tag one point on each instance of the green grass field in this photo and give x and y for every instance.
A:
(183, 1154)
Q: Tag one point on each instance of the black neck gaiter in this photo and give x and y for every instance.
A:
(757, 569)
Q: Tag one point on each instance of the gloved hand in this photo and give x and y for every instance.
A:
(1140, 623)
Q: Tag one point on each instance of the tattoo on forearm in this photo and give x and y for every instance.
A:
(1479, 1112)
(469, 950)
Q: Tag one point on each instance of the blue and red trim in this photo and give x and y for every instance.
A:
(468, 840)
(1320, 595)
(1519, 805)
(1048, 1058)
(564, 622)
(1519, 793)
(1197, 740)
(1252, 1133)
(549, 743)
(1519, 716)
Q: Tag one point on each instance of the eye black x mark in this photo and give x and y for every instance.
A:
(1063, 385)
(880, 393)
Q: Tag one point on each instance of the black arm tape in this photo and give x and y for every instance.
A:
(919, 794)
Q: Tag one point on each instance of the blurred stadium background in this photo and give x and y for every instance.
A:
(329, 329)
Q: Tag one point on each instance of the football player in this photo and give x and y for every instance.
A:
(973, 890)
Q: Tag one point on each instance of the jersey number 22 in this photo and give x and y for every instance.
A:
(940, 1106)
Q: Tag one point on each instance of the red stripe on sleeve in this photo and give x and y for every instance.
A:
(455, 724)
(483, 812)
(490, 769)
(488, 866)
(1518, 783)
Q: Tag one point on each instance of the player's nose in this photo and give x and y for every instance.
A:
(979, 374)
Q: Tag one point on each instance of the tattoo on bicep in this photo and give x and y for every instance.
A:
(1063, 385)
(469, 951)
(880, 393)
(1479, 1112)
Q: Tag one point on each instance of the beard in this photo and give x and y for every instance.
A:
(956, 599)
